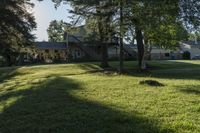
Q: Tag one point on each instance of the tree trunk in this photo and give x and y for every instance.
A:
(8, 60)
(104, 47)
(140, 46)
(104, 61)
(121, 57)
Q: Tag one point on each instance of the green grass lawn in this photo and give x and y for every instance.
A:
(79, 98)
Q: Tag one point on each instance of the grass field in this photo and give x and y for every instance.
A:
(79, 98)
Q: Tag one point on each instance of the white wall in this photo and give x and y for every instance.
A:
(194, 50)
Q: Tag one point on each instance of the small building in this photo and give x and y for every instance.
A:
(51, 51)
(193, 47)
(157, 53)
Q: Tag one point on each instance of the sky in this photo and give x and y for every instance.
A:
(44, 13)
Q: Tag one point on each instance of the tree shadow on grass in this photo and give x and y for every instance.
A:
(52, 108)
(175, 70)
(190, 89)
(171, 70)
(170, 74)
(89, 66)
(7, 73)
(157, 69)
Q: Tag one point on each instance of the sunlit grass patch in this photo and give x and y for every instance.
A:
(82, 98)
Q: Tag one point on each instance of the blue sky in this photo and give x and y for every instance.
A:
(44, 12)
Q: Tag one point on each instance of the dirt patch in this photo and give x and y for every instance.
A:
(151, 83)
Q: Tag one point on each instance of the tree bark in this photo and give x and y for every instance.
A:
(8, 60)
(121, 57)
(104, 46)
(104, 61)
(140, 47)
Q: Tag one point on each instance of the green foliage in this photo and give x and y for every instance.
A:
(167, 36)
(194, 36)
(16, 24)
(97, 14)
(56, 31)
(189, 14)
(158, 21)
(186, 55)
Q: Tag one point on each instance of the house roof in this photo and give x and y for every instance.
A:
(51, 45)
(75, 39)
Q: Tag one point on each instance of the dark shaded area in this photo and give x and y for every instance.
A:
(96, 69)
(190, 89)
(89, 66)
(7, 73)
(186, 55)
(151, 83)
(163, 70)
(51, 108)
(156, 69)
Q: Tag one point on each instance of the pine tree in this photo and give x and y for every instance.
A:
(16, 24)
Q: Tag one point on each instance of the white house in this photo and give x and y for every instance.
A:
(193, 47)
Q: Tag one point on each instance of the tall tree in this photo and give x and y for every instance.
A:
(154, 20)
(56, 31)
(103, 12)
(121, 4)
(157, 21)
(16, 24)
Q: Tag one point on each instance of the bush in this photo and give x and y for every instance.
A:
(186, 55)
